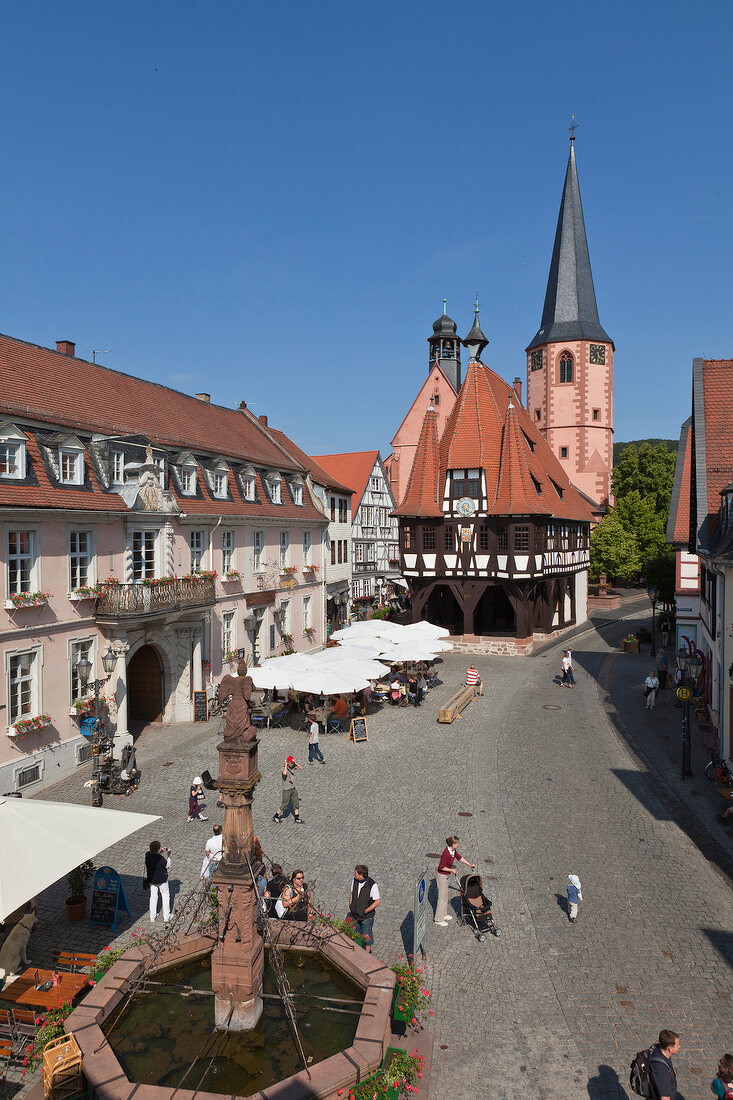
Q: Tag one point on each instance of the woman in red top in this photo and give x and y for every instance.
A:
(450, 856)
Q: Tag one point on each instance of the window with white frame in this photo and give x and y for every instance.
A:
(80, 559)
(28, 775)
(188, 480)
(21, 561)
(248, 484)
(273, 483)
(359, 552)
(285, 617)
(307, 540)
(367, 515)
(297, 490)
(23, 694)
(221, 483)
(227, 551)
(197, 546)
(12, 452)
(71, 466)
(284, 548)
(306, 612)
(159, 463)
(77, 650)
(118, 468)
(376, 484)
(228, 641)
(143, 555)
(258, 542)
(356, 589)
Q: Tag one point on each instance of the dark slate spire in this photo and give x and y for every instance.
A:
(570, 311)
(475, 341)
(445, 349)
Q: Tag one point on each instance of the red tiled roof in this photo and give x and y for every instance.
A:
(43, 385)
(48, 494)
(318, 474)
(352, 469)
(717, 377)
(678, 524)
(523, 476)
(423, 496)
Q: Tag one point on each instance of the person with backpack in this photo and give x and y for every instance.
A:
(722, 1086)
(652, 1073)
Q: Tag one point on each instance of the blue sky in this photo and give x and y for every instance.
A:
(270, 202)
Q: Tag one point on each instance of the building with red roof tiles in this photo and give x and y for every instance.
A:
(687, 564)
(375, 565)
(145, 523)
(702, 510)
(333, 499)
(493, 536)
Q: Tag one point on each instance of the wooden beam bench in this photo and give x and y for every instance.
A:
(456, 704)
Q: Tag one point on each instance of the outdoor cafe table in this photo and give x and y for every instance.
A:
(319, 715)
(22, 992)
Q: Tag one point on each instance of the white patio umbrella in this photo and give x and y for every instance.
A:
(424, 627)
(368, 628)
(408, 650)
(360, 647)
(43, 841)
(327, 681)
(266, 676)
(373, 670)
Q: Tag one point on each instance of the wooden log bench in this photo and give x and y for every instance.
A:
(456, 704)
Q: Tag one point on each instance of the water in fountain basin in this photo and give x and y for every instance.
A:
(162, 1032)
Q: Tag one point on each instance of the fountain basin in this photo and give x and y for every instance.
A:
(107, 1078)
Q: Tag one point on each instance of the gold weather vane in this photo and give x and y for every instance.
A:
(572, 128)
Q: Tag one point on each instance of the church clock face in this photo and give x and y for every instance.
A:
(536, 361)
(465, 506)
(598, 353)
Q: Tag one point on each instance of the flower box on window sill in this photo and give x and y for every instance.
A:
(288, 570)
(200, 575)
(309, 632)
(232, 576)
(86, 592)
(311, 568)
(84, 708)
(24, 726)
(158, 582)
(21, 600)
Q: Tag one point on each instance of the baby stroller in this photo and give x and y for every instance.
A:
(479, 918)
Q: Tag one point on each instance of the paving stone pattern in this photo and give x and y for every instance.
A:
(550, 1009)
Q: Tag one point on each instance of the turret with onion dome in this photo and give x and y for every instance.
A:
(445, 348)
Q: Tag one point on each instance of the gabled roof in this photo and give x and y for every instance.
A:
(353, 469)
(318, 474)
(570, 311)
(424, 493)
(711, 459)
(678, 522)
(43, 385)
(489, 430)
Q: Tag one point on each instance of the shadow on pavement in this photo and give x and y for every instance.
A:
(639, 785)
(722, 942)
(606, 1084)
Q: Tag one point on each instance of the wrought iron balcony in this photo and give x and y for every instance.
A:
(128, 601)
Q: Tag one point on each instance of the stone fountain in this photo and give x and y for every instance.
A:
(238, 955)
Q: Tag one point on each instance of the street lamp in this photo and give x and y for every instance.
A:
(84, 668)
(653, 593)
(690, 666)
(252, 625)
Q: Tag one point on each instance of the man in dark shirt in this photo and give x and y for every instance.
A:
(664, 1077)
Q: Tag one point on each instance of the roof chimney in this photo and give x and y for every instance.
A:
(263, 420)
(66, 347)
(518, 388)
(242, 404)
(205, 397)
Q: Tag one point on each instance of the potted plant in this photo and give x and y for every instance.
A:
(630, 643)
(310, 632)
(412, 999)
(24, 726)
(232, 575)
(348, 927)
(78, 880)
(27, 599)
(400, 1072)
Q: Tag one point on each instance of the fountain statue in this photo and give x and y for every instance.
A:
(238, 960)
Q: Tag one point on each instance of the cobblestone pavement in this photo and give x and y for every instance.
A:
(548, 788)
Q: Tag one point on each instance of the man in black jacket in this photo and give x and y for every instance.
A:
(663, 1075)
(363, 903)
(157, 866)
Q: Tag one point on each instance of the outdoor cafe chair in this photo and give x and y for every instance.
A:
(259, 720)
(6, 1052)
(334, 726)
(278, 718)
(76, 962)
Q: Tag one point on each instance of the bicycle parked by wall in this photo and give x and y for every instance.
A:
(717, 769)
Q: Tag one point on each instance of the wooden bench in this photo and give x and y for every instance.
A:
(74, 961)
(456, 704)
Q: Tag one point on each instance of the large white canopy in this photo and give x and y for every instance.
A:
(42, 841)
(408, 650)
(329, 681)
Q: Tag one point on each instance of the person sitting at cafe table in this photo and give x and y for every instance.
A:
(340, 707)
(366, 698)
(394, 692)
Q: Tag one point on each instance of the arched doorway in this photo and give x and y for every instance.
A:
(442, 609)
(145, 686)
(494, 613)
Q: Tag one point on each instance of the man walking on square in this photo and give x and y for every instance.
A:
(663, 1075)
(289, 791)
(363, 903)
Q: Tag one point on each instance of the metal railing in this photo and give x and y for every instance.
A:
(142, 599)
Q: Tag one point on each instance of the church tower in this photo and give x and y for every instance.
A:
(445, 349)
(570, 360)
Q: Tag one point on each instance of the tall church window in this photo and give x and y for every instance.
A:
(566, 367)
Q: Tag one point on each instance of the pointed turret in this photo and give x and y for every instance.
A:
(570, 311)
(445, 348)
(423, 496)
(475, 341)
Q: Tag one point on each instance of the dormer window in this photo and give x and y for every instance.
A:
(71, 462)
(188, 480)
(466, 483)
(12, 452)
(248, 483)
(220, 480)
(296, 489)
(275, 488)
(118, 468)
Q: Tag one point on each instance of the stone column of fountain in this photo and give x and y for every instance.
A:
(238, 960)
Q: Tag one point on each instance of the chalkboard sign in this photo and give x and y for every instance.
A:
(358, 730)
(108, 896)
(200, 706)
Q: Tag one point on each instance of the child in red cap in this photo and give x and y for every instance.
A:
(289, 791)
